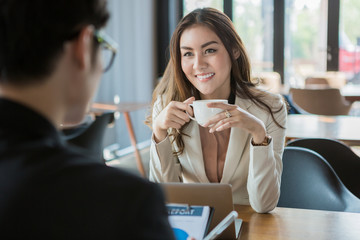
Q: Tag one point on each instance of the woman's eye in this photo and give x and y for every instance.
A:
(210, 50)
(187, 54)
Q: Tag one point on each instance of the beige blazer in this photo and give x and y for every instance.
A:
(253, 171)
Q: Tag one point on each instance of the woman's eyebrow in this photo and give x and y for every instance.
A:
(208, 43)
(186, 48)
(202, 46)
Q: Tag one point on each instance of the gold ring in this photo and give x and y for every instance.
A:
(227, 114)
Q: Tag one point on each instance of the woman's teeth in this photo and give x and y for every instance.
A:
(201, 77)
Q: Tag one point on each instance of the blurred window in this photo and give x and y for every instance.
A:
(190, 5)
(253, 20)
(349, 40)
(305, 39)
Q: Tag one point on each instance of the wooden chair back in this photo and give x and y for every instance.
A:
(323, 101)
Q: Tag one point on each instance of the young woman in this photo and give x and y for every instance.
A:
(243, 145)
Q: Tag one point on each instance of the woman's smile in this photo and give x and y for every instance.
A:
(204, 77)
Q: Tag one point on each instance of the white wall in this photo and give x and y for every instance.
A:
(131, 77)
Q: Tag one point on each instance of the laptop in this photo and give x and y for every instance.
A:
(216, 195)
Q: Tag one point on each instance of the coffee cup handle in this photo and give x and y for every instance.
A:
(192, 118)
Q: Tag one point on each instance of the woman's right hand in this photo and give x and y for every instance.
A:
(172, 116)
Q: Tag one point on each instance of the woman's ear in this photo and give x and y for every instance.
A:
(83, 47)
(236, 53)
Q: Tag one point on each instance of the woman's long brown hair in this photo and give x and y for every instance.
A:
(174, 86)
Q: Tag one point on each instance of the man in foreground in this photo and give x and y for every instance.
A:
(50, 63)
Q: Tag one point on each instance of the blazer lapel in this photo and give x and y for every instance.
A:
(237, 144)
(193, 151)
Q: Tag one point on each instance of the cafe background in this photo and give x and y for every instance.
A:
(295, 38)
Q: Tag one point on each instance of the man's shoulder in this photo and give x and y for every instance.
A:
(85, 197)
(92, 168)
(76, 166)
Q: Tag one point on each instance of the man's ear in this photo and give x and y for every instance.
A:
(236, 53)
(83, 47)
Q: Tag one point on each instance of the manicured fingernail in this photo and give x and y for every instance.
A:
(211, 130)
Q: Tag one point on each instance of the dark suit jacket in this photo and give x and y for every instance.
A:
(49, 190)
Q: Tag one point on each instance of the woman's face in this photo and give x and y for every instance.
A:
(205, 62)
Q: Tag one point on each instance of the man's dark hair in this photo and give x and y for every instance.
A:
(33, 32)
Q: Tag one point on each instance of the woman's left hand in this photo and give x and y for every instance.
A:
(234, 116)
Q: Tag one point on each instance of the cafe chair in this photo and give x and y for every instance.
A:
(309, 182)
(90, 135)
(341, 158)
(333, 79)
(321, 101)
(318, 82)
(291, 107)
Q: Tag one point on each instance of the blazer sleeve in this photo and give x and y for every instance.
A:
(265, 167)
(164, 165)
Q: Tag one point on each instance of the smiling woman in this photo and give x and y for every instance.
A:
(243, 144)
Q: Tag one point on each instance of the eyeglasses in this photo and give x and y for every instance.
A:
(108, 49)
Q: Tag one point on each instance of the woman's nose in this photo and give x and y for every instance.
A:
(200, 62)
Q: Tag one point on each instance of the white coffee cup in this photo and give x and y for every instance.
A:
(202, 113)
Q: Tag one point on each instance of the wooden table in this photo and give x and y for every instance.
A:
(342, 128)
(351, 92)
(126, 108)
(295, 224)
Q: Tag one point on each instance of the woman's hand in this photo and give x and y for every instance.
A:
(172, 116)
(237, 117)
